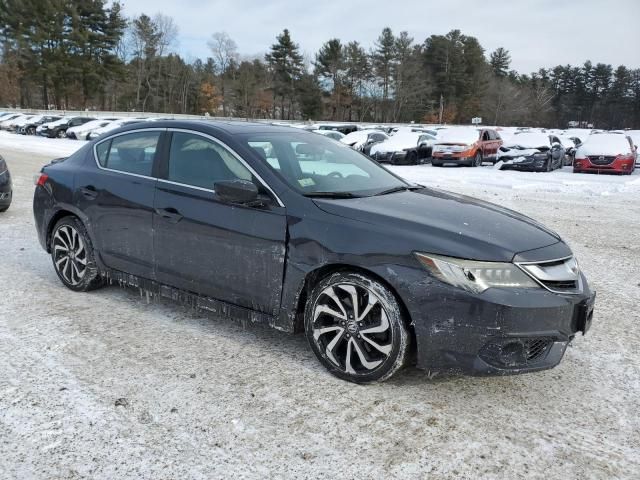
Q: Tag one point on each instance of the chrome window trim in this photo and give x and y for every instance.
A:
(233, 152)
(111, 137)
(182, 130)
(162, 180)
(580, 286)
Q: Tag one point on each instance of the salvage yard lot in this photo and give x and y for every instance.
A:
(111, 385)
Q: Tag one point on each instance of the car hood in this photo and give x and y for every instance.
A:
(434, 221)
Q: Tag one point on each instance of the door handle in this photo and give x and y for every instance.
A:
(89, 192)
(170, 214)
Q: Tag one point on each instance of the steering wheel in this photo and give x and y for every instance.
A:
(335, 175)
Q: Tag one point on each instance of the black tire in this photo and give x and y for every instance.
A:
(412, 158)
(342, 347)
(4, 208)
(436, 164)
(62, 134)
(31, 131)
(79, 272)
(549, 165)
(477, 160)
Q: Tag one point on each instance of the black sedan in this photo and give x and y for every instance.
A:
(533, 152)
(6, 190)
(289, 228)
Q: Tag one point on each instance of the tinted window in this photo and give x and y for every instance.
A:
(198, 161)
(313, 164)
(131, 153)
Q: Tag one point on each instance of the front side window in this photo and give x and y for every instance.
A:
(312, 164)
(200, 162)
(130, 153)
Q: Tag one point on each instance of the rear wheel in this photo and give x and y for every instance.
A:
(4, 208)
(62, 134)
(73, 257)
(436, 164)
(356, 328)
(412, 158)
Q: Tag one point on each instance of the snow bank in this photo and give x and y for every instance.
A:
(55, 147)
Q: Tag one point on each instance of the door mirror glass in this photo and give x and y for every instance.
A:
(236, 191)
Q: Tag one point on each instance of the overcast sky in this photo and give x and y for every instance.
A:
(538, 33)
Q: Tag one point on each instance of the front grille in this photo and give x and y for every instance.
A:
(561, 276)
(536, 349)
(383, 156)
(516, 352)
(601, 159)
(561, 285)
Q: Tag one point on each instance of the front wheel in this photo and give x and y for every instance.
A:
(356, 328)
(412, 158)
(73, 256)
(477, 160)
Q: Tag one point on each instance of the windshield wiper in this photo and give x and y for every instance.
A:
(399, 189)
(331, 195)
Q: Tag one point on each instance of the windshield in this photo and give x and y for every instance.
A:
(314, 165)
(530, 140)
(459, 135)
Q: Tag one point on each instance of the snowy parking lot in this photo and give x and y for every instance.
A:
(109, 385)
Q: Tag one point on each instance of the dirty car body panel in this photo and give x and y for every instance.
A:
(260, 260)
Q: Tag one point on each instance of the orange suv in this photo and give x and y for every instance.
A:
(466, 146)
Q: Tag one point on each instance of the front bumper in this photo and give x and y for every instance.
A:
(497, 332)
(455, 157)
(527, 165)
(391, 157)
(619, 165)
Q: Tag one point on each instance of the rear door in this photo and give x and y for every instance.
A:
(233, 253)
(118, 199)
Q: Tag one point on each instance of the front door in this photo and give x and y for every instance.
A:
(118, 199)
(233, 253)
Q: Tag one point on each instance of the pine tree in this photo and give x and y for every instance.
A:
(285, 62)
(500, 60)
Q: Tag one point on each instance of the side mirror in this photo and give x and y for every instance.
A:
(236, 191)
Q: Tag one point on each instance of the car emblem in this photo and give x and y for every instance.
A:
(601, 157)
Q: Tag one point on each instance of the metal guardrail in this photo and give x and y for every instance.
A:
(101, 114)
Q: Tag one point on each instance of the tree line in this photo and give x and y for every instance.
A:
(85, 54)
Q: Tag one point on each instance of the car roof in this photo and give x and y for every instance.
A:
(228, 127)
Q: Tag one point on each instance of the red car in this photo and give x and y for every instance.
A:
(606, 153)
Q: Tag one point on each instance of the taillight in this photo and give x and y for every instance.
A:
(42, 179)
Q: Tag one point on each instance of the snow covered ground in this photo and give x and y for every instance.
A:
(106, 385)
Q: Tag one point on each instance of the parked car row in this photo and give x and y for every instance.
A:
(520, 149)
(76, 127)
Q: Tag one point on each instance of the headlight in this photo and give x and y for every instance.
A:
(474, 276)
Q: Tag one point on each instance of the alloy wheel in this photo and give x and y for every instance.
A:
(351, 327)
(69, 254)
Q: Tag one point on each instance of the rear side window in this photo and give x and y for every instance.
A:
(130, 153)
(200, 162)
